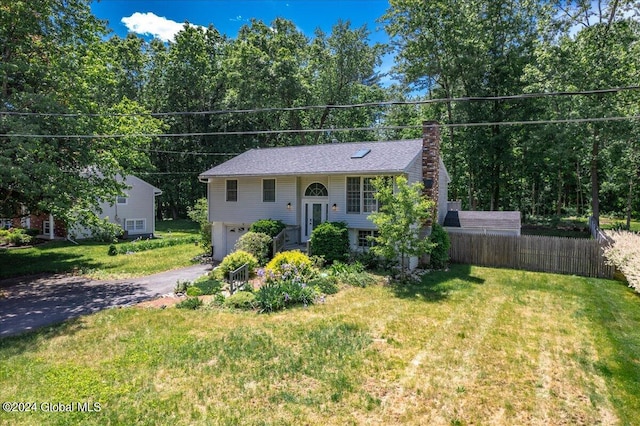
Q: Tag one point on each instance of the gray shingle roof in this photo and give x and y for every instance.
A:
(334, 158)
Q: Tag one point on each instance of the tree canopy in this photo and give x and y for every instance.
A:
(79, 106)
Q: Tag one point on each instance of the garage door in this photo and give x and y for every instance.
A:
(233, 234)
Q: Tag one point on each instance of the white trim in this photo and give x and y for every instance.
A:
(122, 197)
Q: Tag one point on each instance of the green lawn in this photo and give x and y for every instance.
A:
(91, 258)
(469, 346)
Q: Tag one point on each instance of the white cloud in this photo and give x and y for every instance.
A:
(151, 24)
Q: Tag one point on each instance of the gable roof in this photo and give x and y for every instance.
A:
(482, 219)
(334, 158)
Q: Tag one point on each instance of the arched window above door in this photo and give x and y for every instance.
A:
(316, 189)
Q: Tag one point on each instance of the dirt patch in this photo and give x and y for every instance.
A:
(168, 301)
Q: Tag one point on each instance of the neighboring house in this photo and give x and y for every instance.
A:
(135, 212)
(304, 186)
(482, 222)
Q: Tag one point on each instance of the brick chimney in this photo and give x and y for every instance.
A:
(431, 163)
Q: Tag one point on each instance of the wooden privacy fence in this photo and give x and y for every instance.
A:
(571, 256)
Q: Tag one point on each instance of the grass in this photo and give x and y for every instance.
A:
(468, 346)
(91, 258)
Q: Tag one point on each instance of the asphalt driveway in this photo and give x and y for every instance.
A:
(33, 302)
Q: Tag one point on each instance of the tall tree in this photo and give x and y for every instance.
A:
(46, 70)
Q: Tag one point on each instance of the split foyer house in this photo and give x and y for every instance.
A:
(304, 186)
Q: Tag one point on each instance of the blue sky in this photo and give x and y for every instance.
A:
(162, 18)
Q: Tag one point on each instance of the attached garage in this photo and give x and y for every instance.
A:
(233, 234)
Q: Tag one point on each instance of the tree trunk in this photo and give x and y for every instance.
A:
(559, 199)
(595, 184)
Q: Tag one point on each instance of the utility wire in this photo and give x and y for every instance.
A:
(329, 106)
(344, 129)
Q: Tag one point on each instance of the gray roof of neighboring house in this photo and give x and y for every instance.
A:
(333, 158)
(482, 219)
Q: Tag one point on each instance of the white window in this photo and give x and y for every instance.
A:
(361, 195)
(5, 223)
(365, 238)
(232, 190)
(121, 199)
(135, 225)
(46, 227)
(268, 190)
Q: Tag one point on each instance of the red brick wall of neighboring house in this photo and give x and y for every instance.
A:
(37, 222)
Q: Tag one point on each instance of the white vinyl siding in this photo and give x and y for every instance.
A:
(268, 190)
(135, 225)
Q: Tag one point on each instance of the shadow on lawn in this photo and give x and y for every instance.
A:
(438, 285)
(38, 260)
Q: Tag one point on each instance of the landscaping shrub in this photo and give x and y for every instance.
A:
(194, 291)
(331, 241)
(233, 261)
(352, 274)
(326, 284)
(103, 230)
(190, 303)
(440, 252)
(209, 286)
(199, 213)
(112, 250)
(268, 226)
(17, 236)
(625, 256)
(276, 295)
(256, 243)
(291, 265)
(241, 300)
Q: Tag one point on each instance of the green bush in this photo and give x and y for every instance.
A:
(194, 291)
(256, 243)
(270, 297)
(209, 286)
(326, 284)
(268, 226)
(233, 261)
(190, 303)
(199, 213)
(18, 237)
(112, 250)
(352, 274)
(331, 241)
(440, 252)
(241, 300)
(103, 230)
(291, 265)
(276, 295)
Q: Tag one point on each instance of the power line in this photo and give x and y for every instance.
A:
(329, 106)
(345, 129)
(162, 151)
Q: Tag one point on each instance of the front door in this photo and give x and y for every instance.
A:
(313, 214)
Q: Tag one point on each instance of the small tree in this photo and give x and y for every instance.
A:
(399, 220)
(199, 213)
